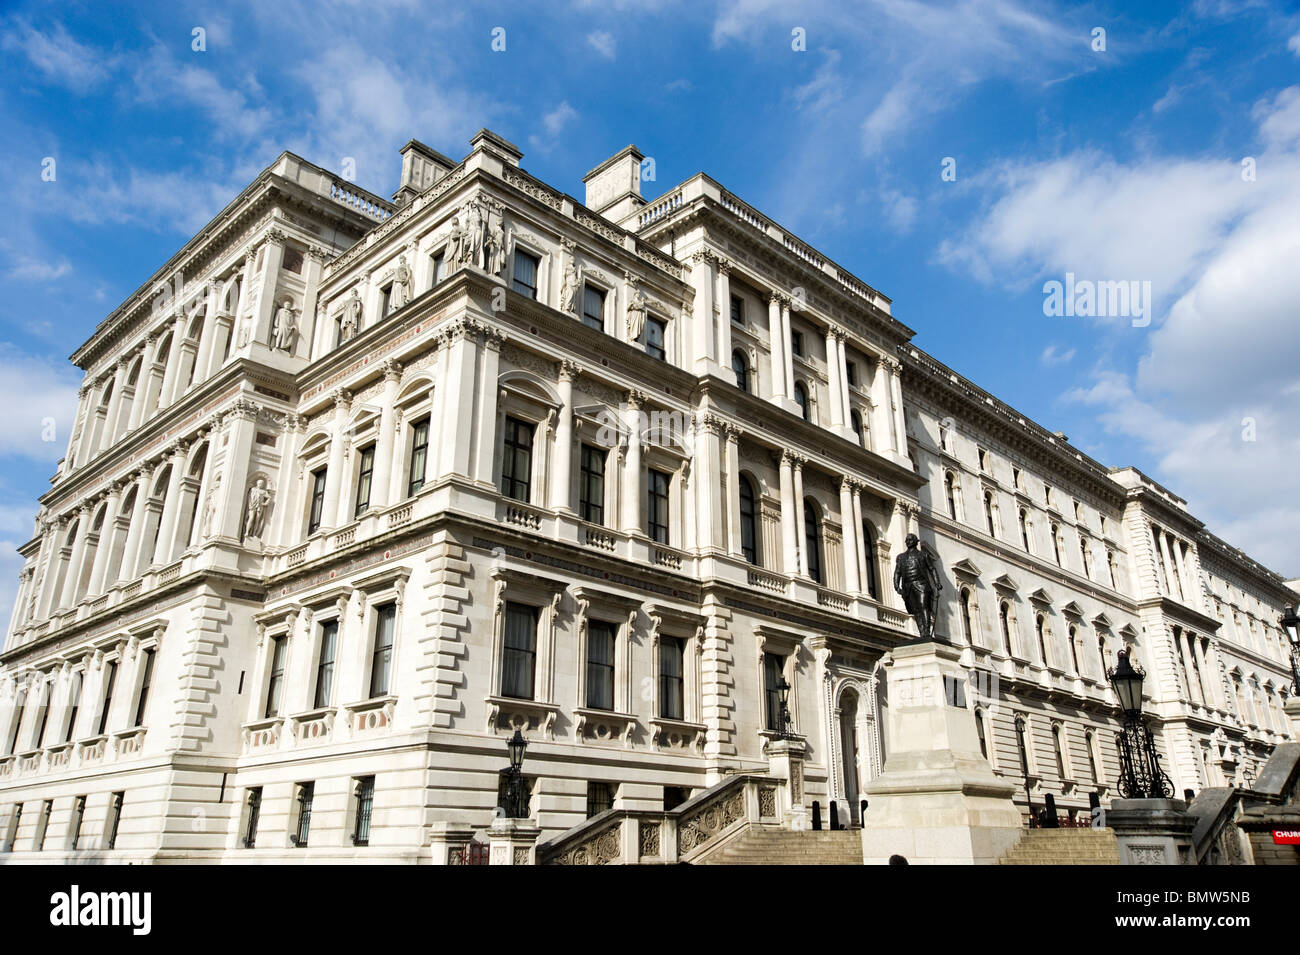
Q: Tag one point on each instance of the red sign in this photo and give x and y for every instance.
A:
(1286, 837)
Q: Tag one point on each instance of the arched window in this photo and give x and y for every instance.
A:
(1059, 745)
(1094, 763)
(869, 558)
(950, 493)
(1004, 619)
(1086, 555)
(1074, 648)
(801, 399)
(979, 728)
(967, 627)
(989, 512)
(1039, 625)
(855, 422)
(1056, 543)
(748, 521)
(1101, 654)
(812, 534)
(1024, 530)
(741, 369)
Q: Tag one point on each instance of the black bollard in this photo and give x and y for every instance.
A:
(1189, 794)
(835, 815)
(1049, 813)
(817, 816)
(862, 819)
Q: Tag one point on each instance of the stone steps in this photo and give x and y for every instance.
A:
(1064, 847)
(785, 847)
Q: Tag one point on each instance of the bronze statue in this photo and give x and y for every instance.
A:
(916, 579)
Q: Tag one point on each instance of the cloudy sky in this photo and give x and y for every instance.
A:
(956, 155)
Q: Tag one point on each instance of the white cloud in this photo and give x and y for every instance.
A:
(1056, 356)
(164, 80)
(558, 118)
(33, 393)
(27, 269)
(59, 56)
(603, 42)
(1293, 44)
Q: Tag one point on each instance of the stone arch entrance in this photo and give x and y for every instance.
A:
(850, 752)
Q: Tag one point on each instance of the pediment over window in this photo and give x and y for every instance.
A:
(1072, 609)
(1008, 583)
(1040, 596)
(1102, 622)
(1127, 632)
(966, 568)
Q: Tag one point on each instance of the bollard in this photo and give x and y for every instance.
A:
(1049, 813)
(817, 816)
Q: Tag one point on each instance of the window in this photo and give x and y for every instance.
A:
(1016, 479)
(1101, 653)
(419, 456)
(656, 332)
(19, 711)
(1094, 763)
(254, 811)
(943, 438)
(983, 459)
(385, 300)
(439, 267)
(773, 671)
(812, 537)
(114, 817)
(1056, 543)
(1077, 513)
(1110, 567)
(1060, 752)
(15, 821)
(1047, 494)
(381, 661)
(364, 795)
(674, 796)
(593, 308)
(1024, 530)
(855, 422)
(145, 680)
(738, 310)
(519, 656)
(801, 399)
(275, 678)
(600, 665)
(869, 558)
(1004, 619)
(306, 793)
(989, 513)
(950, 493)
(851, 373)
(1039, 626)
(796, 343)
(1086, 556)
(329, 638)
(43, 825)
(748, 521)
(78, 815)
(600, 796)
(317, 500)
(672, 679)
(110, 677)
(517, 461)
(1074, 648)
(78, 684)
(657, 505)
(44, 711)
(591, 486)
(524, 279)
(979, 729)
(967, 627)
(740, 368)
(365, 474)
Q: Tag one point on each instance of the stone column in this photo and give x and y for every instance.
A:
(896, 390)
(171, 505)
(844, 379)
(852, 549)
(705, 471)
(1189, 592)
(733, 494)
(380, 479)
(882, 425)
(69, 594)
(207, 344)
(171, 387)
(56, 532)
(800, 543)
(114, 405)
(632, 476)
(1167, 563)
(788, 349)
(270, 275)
(562, 485)
(455, 433)
(486, 414)
(1193, 668)
(776, 341)
(724, 313)
(789, 526)
(334, 469)
(835, 378)
(864, 571)
(131, 551)
(240, 426)
(1208, 683)
(99, 567)
(289, 492)
(141, 400)
(307, 321)
(702, 310)
(785, 759)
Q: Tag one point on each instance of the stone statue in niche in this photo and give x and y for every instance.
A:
(401, 293)
(456, 243)
(569, 290)
(477, 232)
(284, 327)
(259, 498)
(210, 508)
(242, 338)
(917, 582)
(496, 243)
(635, 315)
(350, 321)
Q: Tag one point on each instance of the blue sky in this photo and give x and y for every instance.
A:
(1117, 164)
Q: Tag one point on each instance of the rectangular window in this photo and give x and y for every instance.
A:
(43, 717)
(773, 668)
(365, 800)
(317, 500)
(591, 491)
(524, 279)
(43, 825)
(78, 684)
(657, 505)
(600, 796)
(593, 308)
(738, 310)
(672, 682)
(275, 677)
(851, 373)
(600, 665)
(519, 653)
(329, 638)
(15, 821)
(78, 815)
(19, 712)
(254, 812)
(439, 267)
(365, 475)
(796, 343)
(381, 664)
(419, 456)
(145, 682)
(656, 332)
(110, 678)
(114, 817)
(306, 793)
(385, 300)
(517, 460)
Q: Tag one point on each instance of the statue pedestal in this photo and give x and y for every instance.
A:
(938, 800)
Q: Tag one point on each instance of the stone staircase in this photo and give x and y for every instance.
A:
(1064, 847)
(761, 845)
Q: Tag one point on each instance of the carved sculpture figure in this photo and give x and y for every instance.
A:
(635, 315)
(456, 242)
(496, 244)
(401, 293)
(569, 290)
(917, 581)
(283, 327)
(255, 519)
(477, 231)
(210, 508)
(350, 322)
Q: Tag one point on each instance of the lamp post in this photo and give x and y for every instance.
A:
(783, 690)
(1024, 765)
(1140, 773)
(514, 783)
(1290, 622)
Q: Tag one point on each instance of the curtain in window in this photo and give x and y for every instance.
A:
(382, 664)
(600, 665)
(671, 695)
(518, 660)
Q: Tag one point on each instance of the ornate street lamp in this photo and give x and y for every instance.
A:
(787, 726)
(1290, 622)
(514, 806)
(1024, 766)
(1140, 774)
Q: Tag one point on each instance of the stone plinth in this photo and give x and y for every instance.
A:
(1292, 709)
(1152, 831)
(512, 842)
(938, 800)
(448, 838)
(785, 759)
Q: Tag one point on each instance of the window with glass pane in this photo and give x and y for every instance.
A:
(657, 501)
(517, 459)
(796, 343)
(740, 368)
(145, 681)
(593, 308)
(748, 521)
(419, 456)
(43, 826)
(869, 558)
(600, 665)
(110, 678)
(77, 685)
(381, 662)
(365, 797)
(773, 668)
(801, 399)
(855, 422)
(672, 683)
(655, 334)
(738, 310)
(114, 817)
(19, 712)
(78, 814)
(254, 811)
(591, 490)
(851, 373)
(365, 474)
(600, 796)
(44, 716)
(329, 638)
(812, 536)
(524, 278)
(439, 267)
(306, 795)
(385, 301)
(275, 680)
(317, 500)
(519, 653)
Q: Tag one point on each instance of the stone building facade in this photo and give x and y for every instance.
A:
(358, 487)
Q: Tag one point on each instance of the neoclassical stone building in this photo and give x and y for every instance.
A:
(359, 487)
